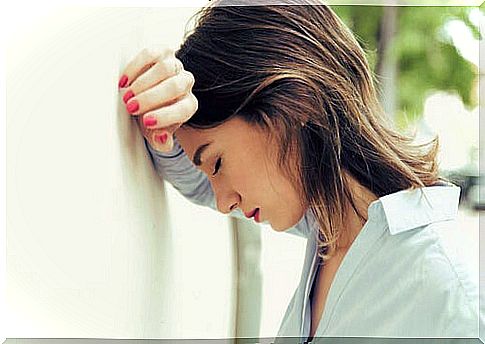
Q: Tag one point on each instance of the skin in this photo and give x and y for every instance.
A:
(363, 197)
(248, 176)
(353, 226)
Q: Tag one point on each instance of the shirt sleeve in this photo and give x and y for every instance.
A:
(176, 168)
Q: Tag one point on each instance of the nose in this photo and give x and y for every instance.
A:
(227, 199)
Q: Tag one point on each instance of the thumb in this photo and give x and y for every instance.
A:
(162, 139)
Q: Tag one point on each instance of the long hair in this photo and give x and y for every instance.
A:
(299, 72)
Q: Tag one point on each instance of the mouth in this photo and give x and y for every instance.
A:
(253, 213)
(256, 216)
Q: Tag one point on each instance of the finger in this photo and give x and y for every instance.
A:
(162, 70)
(141, 63)
(155, 97)
(178, 112)
(162, 140)
(148, 133)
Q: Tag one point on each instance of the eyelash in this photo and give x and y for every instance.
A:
(217, 166)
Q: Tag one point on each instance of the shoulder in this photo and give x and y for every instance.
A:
(434, 254)
(428, 263)
(415, 284)
(446, 265)
(426, 241)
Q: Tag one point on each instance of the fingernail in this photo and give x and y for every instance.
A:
(123, 81)
(132, 106)
(149, 121)
(162, 138)
(128, 95)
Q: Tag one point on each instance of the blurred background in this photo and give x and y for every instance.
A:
(98, 246)
(426, 60)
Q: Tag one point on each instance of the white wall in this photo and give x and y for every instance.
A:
(95, 247)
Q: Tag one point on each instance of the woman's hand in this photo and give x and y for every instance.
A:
(159, 92)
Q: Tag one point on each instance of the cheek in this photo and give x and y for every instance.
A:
(253, 184)
(276, 189)
(288, 194)
(259, 180)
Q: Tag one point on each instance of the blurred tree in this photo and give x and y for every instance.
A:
(417, 57)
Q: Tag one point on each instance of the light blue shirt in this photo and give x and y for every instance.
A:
(401, 277)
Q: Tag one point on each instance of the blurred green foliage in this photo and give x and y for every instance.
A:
(425, 56)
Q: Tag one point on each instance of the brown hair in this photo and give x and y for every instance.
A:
(299, 72)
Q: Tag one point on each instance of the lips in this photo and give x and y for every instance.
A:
(256, 216)
(255, 213)
(251, 213)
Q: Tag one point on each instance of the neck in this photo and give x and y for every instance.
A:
(353, 224)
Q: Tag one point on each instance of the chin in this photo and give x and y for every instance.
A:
(286, 220)
(290, 222)
(282, 227)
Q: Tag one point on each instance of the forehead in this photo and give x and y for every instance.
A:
(233, 134)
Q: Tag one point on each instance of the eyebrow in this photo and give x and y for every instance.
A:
(198, 153)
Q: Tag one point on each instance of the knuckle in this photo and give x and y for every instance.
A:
(179, 66)
(167, 65)
(179, 85)
(145, 52)
(186, 108)
(191, 78)
(161, 60)
(149, 54)
(194, 101)
(167, 51)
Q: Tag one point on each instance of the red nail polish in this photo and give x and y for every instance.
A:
(149, 121)
(123, 81)
(132, 106)
(128, 95)
(162, 138)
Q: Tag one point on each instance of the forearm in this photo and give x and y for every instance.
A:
(176, 168)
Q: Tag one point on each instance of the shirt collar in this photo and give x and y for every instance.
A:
(413, 208)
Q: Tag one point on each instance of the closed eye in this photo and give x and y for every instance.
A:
(217, 166)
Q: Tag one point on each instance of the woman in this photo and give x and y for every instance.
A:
(270, 112)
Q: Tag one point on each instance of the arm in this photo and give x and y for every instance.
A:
(161, 108)
(176, 168)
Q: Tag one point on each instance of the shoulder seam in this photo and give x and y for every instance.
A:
(457, 276)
